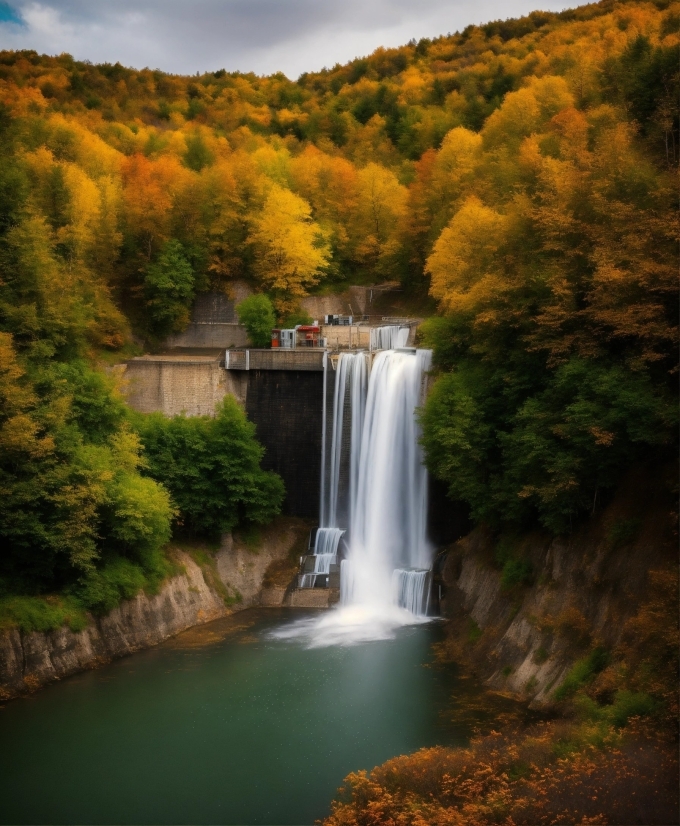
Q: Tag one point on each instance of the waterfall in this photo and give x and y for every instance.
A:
(388, 529)
(374, 494)
(389, 337)
(383, 505)
(327, 541)
(351, 378)
(322, 565)
(351, 382)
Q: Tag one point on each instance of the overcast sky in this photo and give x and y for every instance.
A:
(262, 36)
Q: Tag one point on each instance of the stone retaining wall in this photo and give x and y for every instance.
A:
(180, 384)
(201, 334)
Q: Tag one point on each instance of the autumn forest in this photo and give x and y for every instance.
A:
(517, 178)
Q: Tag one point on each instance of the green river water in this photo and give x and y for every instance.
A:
(224, 725)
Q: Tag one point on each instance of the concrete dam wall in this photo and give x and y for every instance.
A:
(286, 408)
(280, 392)
(175, 384)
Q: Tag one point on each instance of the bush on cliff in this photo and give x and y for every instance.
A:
(521, 780)
(256, 313)
(211, 466)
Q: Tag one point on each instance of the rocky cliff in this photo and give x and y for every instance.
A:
(229, 580)
(524, 609)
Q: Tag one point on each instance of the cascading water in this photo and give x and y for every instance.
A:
(411, 590)
(351, 378)
(389, 337)
(325, 554)
(384, 579)
(388, 528)
(327, 541)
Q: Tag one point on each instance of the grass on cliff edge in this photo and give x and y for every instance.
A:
(96, 594)
(42, 613)
(203, 554)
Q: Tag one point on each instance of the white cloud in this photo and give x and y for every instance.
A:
(263, 36)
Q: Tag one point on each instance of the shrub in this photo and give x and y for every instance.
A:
(474, 631)
(103, 589)
(629, 704)
(119, 579)
(516, 572)
(540, 655)
(582, 672)
(139, 516)
(515, 779)
(256, 313)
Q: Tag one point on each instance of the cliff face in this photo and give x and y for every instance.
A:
(29, 660)
(578, 592)
(242, 568)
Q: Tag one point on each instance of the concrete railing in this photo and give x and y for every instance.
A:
(275, 359)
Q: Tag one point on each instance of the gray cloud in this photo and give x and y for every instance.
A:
(263, 36)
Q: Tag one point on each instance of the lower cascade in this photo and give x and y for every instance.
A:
(411, 590)
(374, 498)
(325, 554)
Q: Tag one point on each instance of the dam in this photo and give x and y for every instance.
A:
(290, 396)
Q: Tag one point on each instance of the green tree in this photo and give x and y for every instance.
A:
(169, 289)
(211, 466)
(197, 155)
(256, 313)
(71, 495)
(521, 454)
(457, 439)
(577, 438)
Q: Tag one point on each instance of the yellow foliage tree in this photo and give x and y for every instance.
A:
(525, 111)
(290, 249)
(222, 204)
(382, 205)
(462, 262)
(330, 185)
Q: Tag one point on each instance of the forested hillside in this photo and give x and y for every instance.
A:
(521, 173)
